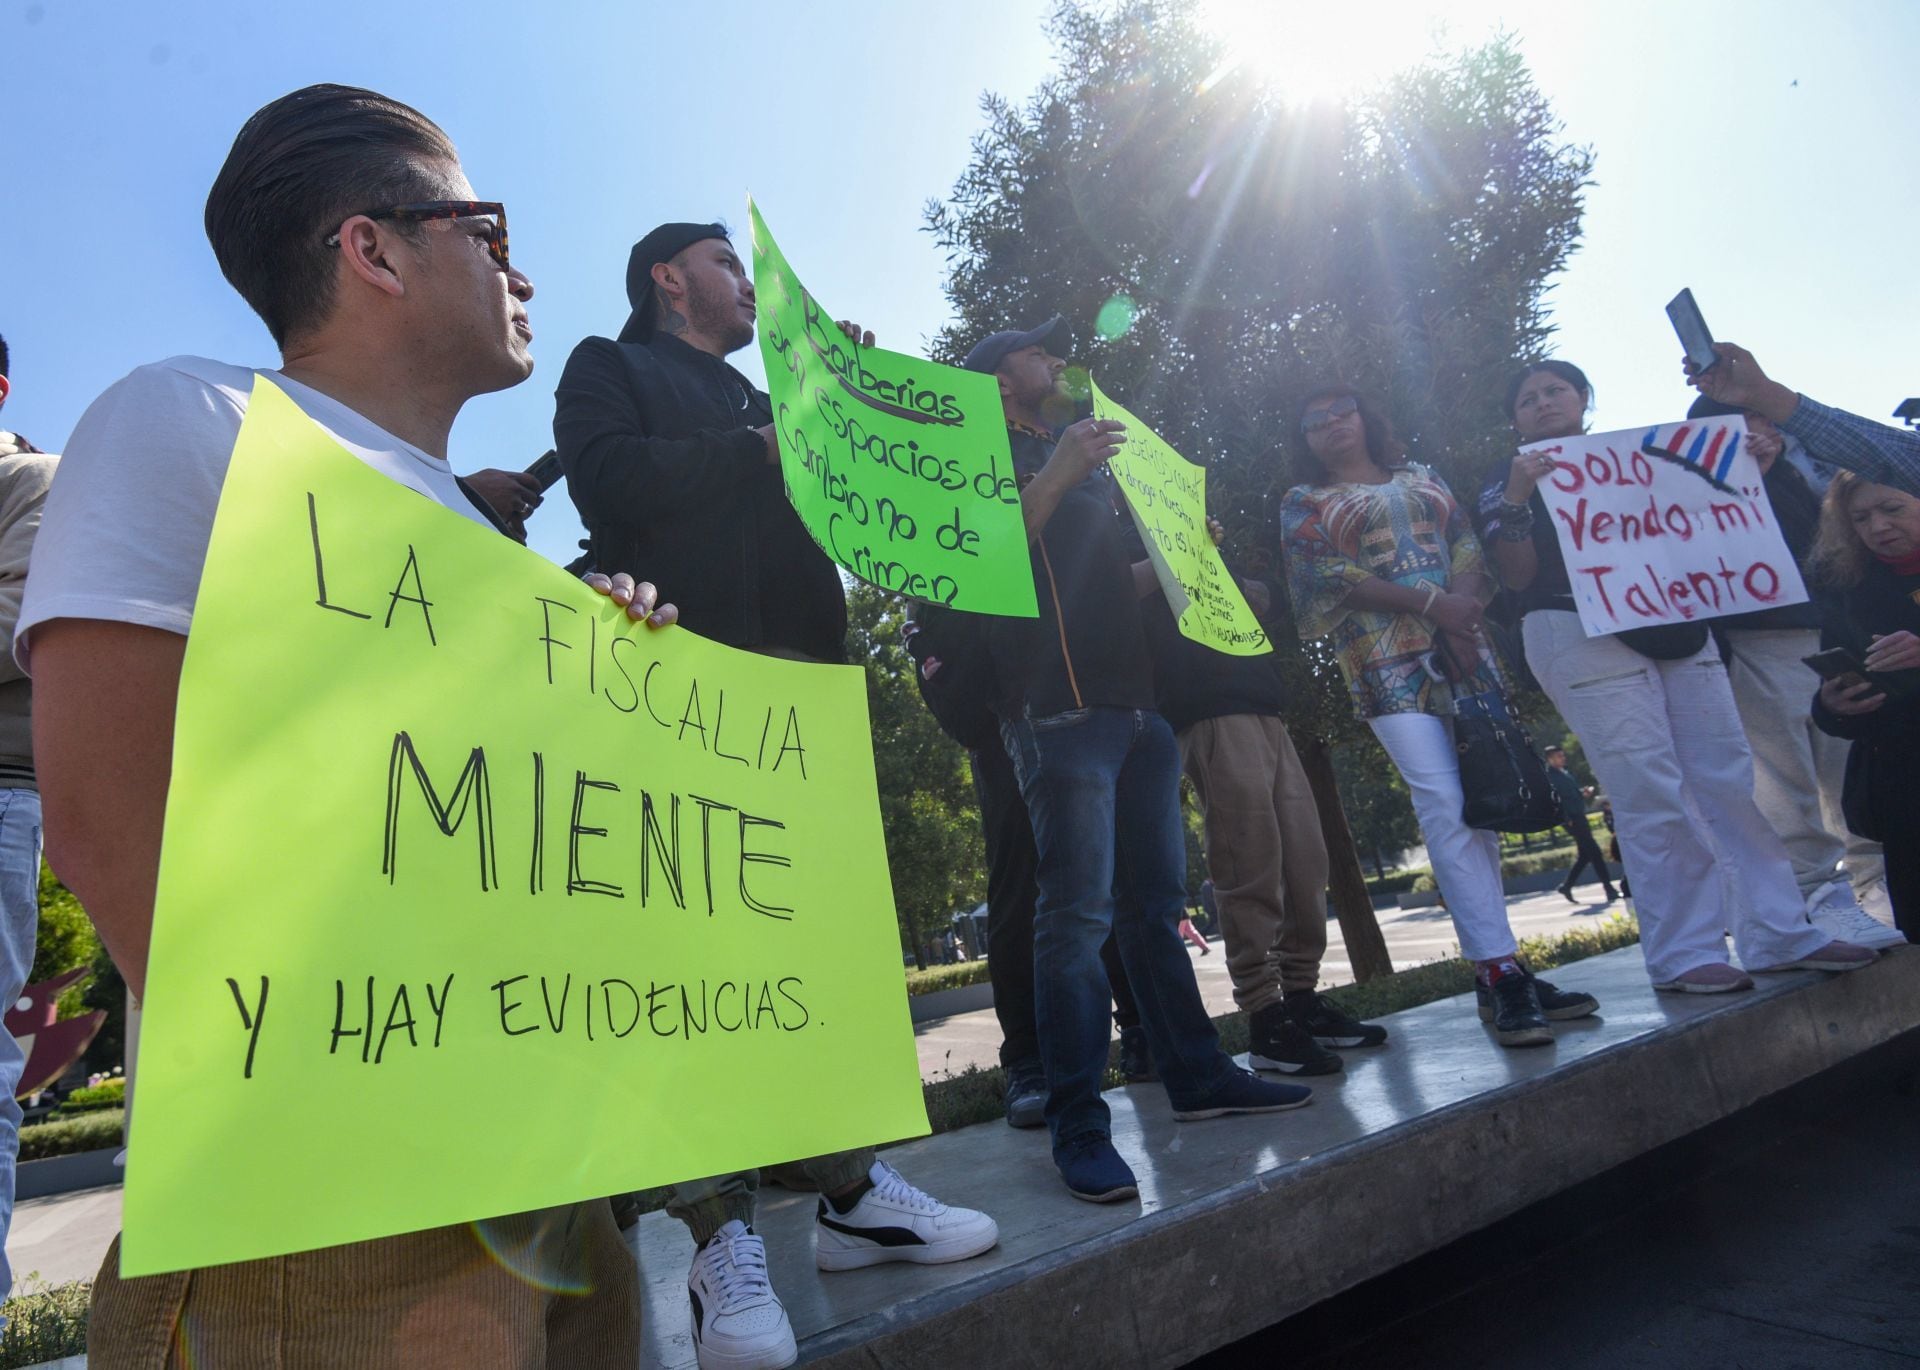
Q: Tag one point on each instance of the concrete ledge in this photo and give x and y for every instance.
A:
(945, 1003)
(1242, 1222)
(64, 1174)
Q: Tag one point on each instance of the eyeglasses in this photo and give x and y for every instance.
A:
(494, 234)
(1320, 416)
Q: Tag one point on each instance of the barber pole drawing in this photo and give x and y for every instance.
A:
(1667, 524)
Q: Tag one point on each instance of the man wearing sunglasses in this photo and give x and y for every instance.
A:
(344, 220)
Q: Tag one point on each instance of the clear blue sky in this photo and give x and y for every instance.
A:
(1790, 209)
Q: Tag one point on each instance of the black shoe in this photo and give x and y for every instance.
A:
(1566, 893)
(1136, 1059)
(1556, 1004)
(1277, 1042)
(1026, 1095)
(1562, 1004)
(1513, 1008)
(1244, 1092)
(1613, 895)
(1328, 1025)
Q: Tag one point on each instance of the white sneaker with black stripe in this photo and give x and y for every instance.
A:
(896, 1222)
(738, 1321)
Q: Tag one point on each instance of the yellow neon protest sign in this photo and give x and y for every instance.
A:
(1167, 496)
(477, 898)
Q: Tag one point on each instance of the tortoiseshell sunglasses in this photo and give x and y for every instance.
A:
(496, 232)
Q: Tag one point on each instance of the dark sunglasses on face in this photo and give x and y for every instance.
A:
(494, 232)
(1321, 415)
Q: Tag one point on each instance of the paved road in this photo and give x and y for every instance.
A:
(1414, 936)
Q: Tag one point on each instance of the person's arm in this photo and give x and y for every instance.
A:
(615, 467)
(21, 500)
(1506, 522)
(1883, 454)
(103, 708)
(1082, 447)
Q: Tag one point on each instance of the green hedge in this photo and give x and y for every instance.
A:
(45, 1324)
(935, 978)
(68, 1136)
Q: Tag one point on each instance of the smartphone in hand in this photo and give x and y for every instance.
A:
(1693, 331)
(1838, 663)
(547, 470)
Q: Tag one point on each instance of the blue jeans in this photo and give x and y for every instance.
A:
(1103, 789)
(19, 926)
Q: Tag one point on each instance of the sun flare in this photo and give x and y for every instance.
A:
(1309, 50)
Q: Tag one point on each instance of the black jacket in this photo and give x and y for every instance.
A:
(1088, 647)
(674, 486)
(1878, 797)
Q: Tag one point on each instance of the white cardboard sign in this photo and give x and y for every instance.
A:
(1665, 525)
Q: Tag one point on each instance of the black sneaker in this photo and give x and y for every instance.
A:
(1026, 1095)
(1328, 1025)
(1514, 1010)
(1556, 1004)
(1136, 1058)
(1277, 1042)
(1562, 1004)
(1244, 1092)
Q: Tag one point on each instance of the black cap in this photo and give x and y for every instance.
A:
(662, 245)
(1706, 407)
(989, 352)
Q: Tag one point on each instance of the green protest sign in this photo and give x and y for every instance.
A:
(476, 897)
(898, 466)
(1167, 496)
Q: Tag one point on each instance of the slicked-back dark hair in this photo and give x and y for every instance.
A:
(1385, 448)
(298, 168)
(5, 360)
(1553, 366)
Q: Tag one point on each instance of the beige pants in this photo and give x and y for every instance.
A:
(553, 1290)
(1265, 852)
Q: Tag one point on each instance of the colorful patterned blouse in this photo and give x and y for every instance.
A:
(1410, 531)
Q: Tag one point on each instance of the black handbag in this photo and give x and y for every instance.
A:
(1502, 777)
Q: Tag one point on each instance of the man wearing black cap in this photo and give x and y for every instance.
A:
(671, 458)
(1100, 773)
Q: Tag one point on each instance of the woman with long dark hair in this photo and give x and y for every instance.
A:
(1382, 563)
(1868, 553)
(1660, 728)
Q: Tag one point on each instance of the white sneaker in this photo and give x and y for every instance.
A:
(1833, 909)
(896, 1222)
(738, 1322)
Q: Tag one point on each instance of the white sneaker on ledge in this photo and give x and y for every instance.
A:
(1833, 909)
(738, 1321)
(896, 1222)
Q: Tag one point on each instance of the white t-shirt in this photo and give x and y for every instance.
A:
(124, 535)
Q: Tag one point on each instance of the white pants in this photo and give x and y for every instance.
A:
(1466, 861)
(1797, 769)
(1664, 739)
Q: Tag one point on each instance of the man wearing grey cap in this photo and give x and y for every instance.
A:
(672, 460)
(1100, 772)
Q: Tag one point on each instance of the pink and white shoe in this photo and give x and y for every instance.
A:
(1833, 956)
(1716, 977)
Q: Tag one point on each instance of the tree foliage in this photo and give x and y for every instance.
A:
(1379, 808)
(927, 806)
(1218, 251)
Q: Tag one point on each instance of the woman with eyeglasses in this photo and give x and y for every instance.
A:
(1382, 563)
(1657, 719)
